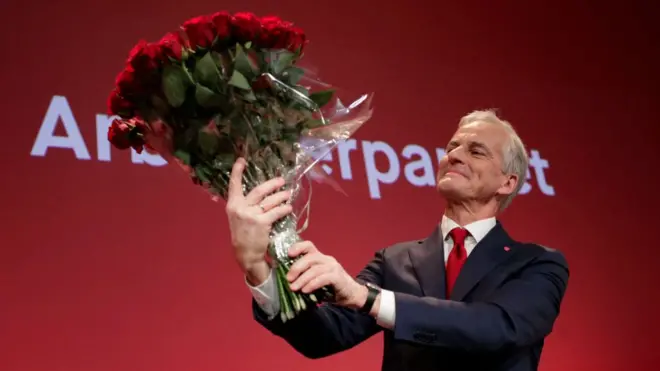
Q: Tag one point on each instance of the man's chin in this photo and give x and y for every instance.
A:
(448, 190)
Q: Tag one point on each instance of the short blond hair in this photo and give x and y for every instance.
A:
(515, 158)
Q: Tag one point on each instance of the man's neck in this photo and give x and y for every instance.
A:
(464, 214)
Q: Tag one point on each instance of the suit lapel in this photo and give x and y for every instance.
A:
(428, 262)
(488, 254)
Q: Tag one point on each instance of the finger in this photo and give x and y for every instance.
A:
(303, 264)
(235, 189)
(327, 278)
(275, 199)
(276, 213)
(308, 275)
(262, 190)
(300, 248)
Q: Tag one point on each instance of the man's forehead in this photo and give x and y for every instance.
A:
(480, 129)
(482, 133)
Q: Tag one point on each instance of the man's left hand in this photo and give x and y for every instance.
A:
(314, 270)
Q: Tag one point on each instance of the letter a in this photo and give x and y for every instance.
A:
(59, 110)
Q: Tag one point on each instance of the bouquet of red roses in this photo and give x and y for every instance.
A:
(225, 86)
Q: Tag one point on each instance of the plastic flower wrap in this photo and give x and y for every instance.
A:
(227, 86)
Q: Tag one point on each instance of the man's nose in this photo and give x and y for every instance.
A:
(455, 156)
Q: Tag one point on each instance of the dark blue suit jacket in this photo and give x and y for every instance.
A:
(503, 305)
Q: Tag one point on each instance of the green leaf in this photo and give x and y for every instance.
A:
(249, 96)
(226, 159)
(303, 90)
(175, 83)
(207, 98)
(244, 64)
(248, 45)
(220, 63)
(293, 75)
(183, 156)
(239, 128)
(283, 61)
(262, 63)
(208, 142)
(238, 80)
(321, 98)
(206, 72)
(203, 173)
(160, 106)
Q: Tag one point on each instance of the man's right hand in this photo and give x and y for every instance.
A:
(251, 218)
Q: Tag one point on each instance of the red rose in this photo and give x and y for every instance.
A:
(135, 50)
(125, 134)
(127, 83)
(137, 134)
(145, 58)
(222, 23)
(117, 105)
(245, 27)
(118, 134)
(279, 34)
(200, 31)
(274, 33)
(261, 83)
(297, 39)
(271, 20)
(172, 45)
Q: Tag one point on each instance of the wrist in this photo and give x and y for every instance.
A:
(376, 307)
(360, 297)
(256, 272)
(367, 299)
(249, 260)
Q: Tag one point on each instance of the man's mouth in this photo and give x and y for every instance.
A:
(454, 172)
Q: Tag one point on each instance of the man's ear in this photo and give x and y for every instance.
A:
(508, 185)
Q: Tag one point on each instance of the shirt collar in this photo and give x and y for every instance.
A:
(478, 230)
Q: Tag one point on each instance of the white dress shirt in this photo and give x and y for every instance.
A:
(266, 293)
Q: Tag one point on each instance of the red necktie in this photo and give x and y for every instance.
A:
(456, 258)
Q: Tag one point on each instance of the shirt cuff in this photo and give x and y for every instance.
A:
(386, 312)
(265, 294)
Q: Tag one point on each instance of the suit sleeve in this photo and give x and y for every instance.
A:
(326, 329)
(521, 313)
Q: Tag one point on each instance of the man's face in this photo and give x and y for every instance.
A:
(472, 166)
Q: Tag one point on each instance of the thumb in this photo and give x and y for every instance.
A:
(301, 248)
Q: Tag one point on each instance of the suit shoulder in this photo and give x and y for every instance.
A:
(400, 248)
(548, 254)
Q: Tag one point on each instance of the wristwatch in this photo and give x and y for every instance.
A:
(372, 293)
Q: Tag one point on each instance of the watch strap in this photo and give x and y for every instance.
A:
(372, 293)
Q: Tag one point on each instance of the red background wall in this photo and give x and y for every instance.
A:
(111, 265)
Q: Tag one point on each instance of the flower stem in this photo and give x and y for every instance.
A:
(283, 236)
(285, 307)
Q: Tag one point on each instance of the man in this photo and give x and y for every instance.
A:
(468, 297)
